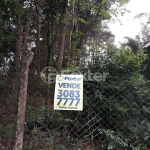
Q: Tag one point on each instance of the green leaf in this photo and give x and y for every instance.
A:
(82, 20)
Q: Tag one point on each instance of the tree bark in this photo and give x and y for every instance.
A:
(25, 40)
(38, 40)
(18, 46)
(70, 35)
(61, 48)
(15, 81)
(22, 101)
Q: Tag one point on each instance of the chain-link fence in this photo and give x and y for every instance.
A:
(115, 112)
(115, 117)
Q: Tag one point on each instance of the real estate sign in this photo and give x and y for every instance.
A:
(69, 92)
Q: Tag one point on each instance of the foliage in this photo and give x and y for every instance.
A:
(116, 105)
(113, 105)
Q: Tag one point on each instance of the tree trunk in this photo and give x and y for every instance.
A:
(38, 41)
(15, 81)
(22, 100)
(25, 40)
(70, 35)
(79, 47)
(18, 46)
(61, 48)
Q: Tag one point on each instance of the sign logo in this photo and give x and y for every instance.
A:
(73, 78)
(60, 78)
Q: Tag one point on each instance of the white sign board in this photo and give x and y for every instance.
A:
(69, 92)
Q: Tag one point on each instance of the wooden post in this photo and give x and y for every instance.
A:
(22, 100)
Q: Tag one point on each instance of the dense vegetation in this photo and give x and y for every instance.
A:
(72, 34)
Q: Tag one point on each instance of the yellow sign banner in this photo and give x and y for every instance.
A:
(68, 92)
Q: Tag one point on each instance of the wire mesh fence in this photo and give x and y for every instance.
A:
(115, 115)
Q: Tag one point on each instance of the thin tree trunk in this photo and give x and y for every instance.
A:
(22, 101)
(70, 35)
(79, 47)
(38, 41)
(25, 39)
(15, 81)
(18, 46)
(61, 48)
